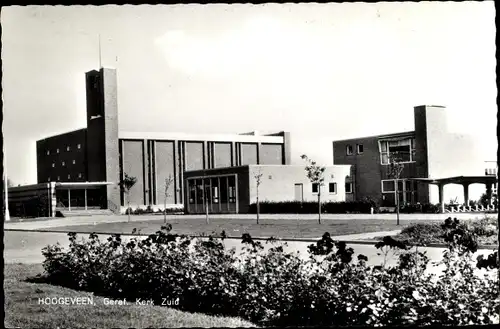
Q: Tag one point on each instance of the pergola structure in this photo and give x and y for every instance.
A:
(465, 181)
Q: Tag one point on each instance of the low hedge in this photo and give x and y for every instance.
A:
(271, 287)
(309, 207)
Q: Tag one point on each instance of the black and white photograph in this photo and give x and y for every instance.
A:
(250, 165)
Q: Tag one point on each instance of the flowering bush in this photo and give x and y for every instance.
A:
(333, 286)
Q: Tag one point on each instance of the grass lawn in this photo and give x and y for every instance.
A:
(236, 227)
(23, 310)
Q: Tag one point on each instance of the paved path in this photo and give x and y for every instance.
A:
(25, 247)
(85, 220)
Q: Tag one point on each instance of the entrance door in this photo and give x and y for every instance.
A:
(299, 192)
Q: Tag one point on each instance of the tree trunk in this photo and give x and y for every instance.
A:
(258, 207)
(128, 208)
(319, 204)
(165, 211)
(206, 210)
(397, 203)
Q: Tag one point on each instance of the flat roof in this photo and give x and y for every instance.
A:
(272, 139)
(392, 135)
(481, 179)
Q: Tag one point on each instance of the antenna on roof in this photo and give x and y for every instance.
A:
(100, 60)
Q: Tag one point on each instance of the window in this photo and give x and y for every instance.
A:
(58, 178)
(69, 176)
(223, 189)
(79, 146)
(74, 161)
(48, 152)
(315, 187)
(199, 191)
(360, 148)
(68, 148)
(192, 191)
(48, 179)
(402, 150)
(80, 175)
(270, 177)
(215, 190)
(231, 189)
(348, 187)
(388, 186)
(53, 165)
(57, 151)
(63, 163)
(407, 191)
(332, 188)
(349, 150)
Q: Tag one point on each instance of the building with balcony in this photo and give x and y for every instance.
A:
(432, 158)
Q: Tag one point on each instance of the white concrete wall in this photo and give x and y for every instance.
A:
(278, 183)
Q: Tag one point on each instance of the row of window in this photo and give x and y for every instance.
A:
(350, 149)
(332, 188)
(63, 163)
(210, 188)
(68, 148)
(69, 177)
(401, 151)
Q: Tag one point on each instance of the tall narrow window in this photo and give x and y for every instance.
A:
(348, 187)
(48, 152)
(315, 187)
(74, 161)
(215, 190)
(332, 188)
(69, 176)
(199, 191)
(53, 165)
(223, 189)
(231, 189)
(68, 148)
(349, 150)
(63, 163)
(57, 150)
(79, 146)
(360, 148)
(192, 191)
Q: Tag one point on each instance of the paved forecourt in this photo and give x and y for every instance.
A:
(47, 223)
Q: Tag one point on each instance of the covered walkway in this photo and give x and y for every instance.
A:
(465, 181)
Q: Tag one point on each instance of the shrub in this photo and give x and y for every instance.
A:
(297, 207)
(275, 288)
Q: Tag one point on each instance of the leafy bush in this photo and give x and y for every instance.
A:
(297, 207)
(275, 288)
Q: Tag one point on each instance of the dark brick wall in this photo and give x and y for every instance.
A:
(77, 171)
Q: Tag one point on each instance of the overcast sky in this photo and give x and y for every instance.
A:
(320, 71)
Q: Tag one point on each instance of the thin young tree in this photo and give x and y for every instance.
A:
(258, 181)
(126, 185)
(316, 175)
(168, 182)
(395, 170)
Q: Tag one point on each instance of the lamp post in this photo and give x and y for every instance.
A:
(7, 215)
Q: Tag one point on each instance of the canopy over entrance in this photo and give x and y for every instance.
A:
(465, 181)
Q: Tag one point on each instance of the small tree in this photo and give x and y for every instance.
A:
(126, 185)
(258, 181)
(395, 170)
(316, 175)
(168, 182)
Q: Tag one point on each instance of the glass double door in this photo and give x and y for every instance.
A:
(215, 194)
